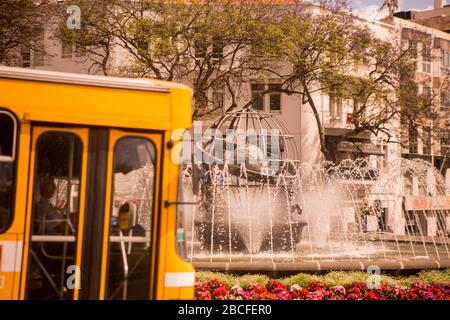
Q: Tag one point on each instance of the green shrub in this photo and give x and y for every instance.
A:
(243, 281)
(205, 276)
(301, 279)
(434, 276)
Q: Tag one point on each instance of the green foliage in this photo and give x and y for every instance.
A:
(205, 276)
(301, 279)
(342, 278)
(250, 278)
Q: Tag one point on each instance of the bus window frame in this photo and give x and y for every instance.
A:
(38, 131)
(13, 159)
(157, 166)
(14, 145)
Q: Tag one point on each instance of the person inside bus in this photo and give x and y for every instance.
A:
(49, 219)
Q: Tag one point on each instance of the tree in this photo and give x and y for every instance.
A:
(330, 51)
(95, 36)
(212, 45)
(21, 21)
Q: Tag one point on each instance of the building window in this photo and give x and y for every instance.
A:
(445, 58)
(257, 96)
(427, 95)
(412, 45)
(217, 48)
(427, 142)
(427, 92)
(426, 58)
(39, 48)
(274, 97)
(445, 100)
(356, 112)
(8, 142)
(218, 99)
(445, 145)
(445, 63)
(200, 46)
(266, 95)
(335, 108)
(26, 57)
(80, 51)
(66, 49)
(413, 140)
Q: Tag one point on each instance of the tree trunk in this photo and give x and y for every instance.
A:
(323, 146)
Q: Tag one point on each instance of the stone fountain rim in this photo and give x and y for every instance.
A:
(319, 266)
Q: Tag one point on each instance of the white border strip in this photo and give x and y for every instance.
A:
(179, 279)
(11, 256)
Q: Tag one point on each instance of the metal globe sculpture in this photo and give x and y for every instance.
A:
(250, 138)
(248, 184)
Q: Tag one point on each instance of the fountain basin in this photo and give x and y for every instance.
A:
(282, 269)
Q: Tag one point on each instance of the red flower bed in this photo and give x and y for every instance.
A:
(275, 290)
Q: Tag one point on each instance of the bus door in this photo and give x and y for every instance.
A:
(55, 213)
(132, 193)
(91, 214)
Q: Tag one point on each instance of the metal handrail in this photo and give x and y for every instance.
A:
(125, 267)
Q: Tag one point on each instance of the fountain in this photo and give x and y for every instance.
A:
(270, 212)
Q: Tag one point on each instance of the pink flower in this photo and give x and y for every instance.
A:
(353, 296)
(283, 295)
(420, 285)
(428, 295)
(295, 288)
(338, 290)
(319, 294)
(247, 295)
(237, 293)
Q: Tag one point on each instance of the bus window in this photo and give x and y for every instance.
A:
(55, 215)
(8, 136)
(131, 220)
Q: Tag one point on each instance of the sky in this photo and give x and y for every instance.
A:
(370, 8)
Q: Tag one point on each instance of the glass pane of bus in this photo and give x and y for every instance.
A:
(131, 220)
(55, 216)
(8, 129)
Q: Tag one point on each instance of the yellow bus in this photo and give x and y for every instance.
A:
(88, 190)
